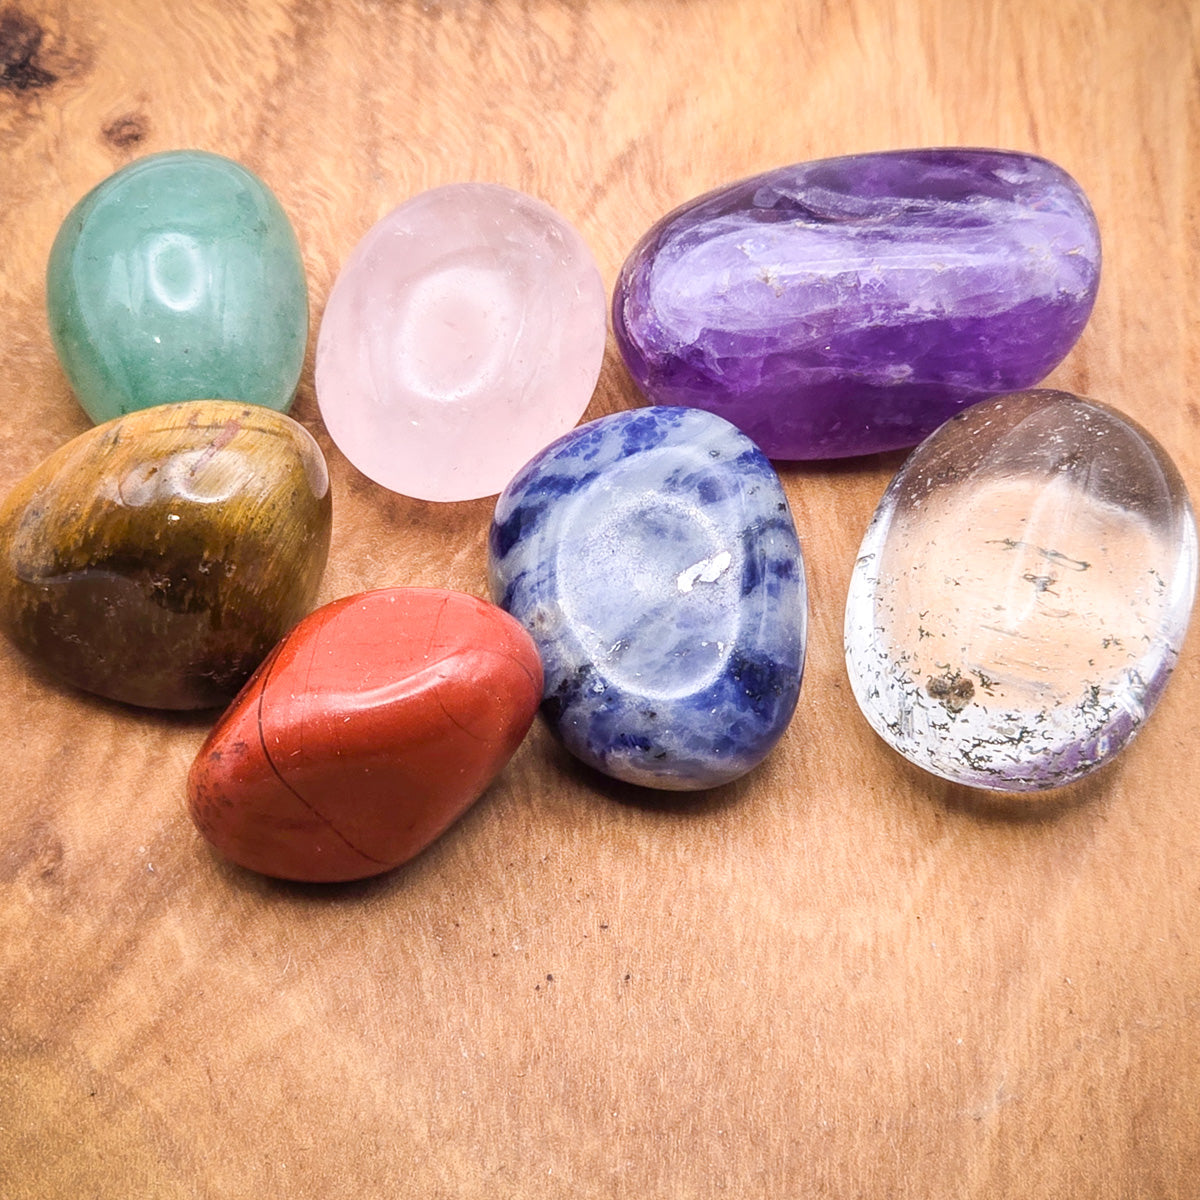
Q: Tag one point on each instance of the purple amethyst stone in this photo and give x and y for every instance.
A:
(852, 305)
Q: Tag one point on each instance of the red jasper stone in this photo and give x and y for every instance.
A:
(372, 726)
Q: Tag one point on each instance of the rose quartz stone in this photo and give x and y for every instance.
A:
(464, 333)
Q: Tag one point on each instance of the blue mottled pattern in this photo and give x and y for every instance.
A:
(652, 556)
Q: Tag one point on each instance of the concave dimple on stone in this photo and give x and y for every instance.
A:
(464, 333)
(652, 556)
(851, 305)
(178, 277)
(157, 558)
(1022, 593)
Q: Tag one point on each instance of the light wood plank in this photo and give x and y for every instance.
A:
(836, 978)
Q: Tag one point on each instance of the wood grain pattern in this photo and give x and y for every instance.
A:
(837, 977)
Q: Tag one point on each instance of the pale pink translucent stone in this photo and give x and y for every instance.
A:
(464, 333)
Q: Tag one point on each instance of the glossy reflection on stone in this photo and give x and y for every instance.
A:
(179, 276)
(464, 333)
(374, 725)
(1022, 593)
(156, 559)
(652, 556)
(851, 305)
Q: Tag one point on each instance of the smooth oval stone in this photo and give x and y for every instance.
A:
(178, 277)
(375, 724)
(852, 305)
(1022, 593)
(652, 556)
(156, 559)
(465, 331)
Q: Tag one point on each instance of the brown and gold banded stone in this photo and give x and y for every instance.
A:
(157, 558)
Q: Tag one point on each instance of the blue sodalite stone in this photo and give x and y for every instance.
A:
(652, 556)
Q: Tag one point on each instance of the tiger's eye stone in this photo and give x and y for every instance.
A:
(156, 559)
(1022, 594)
(178, 277)
(374, 725)
(852, 305)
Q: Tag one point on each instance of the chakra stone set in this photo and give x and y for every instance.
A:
(1017, 606)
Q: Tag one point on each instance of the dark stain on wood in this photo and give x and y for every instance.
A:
(126, 131)
(35, 857)
(20, 41)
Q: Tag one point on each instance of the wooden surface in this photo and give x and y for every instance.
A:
(838, 977)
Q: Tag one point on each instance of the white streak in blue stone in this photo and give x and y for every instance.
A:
(708, 570)
(652, 557)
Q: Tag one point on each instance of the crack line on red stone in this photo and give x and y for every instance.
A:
(512, 658)
(262, 741)
(453, 720)
(437, 625)
(314, 643)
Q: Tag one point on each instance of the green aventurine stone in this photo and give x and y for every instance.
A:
(179, 277)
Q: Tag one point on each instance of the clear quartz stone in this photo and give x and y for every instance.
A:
(1022, 592)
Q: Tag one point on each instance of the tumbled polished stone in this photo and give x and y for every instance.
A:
(464, 333)
(1022, 593)
(375, 724)
(156, 559)
(652, 556)
(179, 277)
(852, 305)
